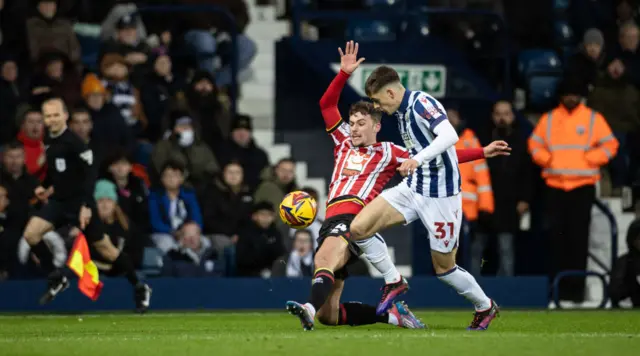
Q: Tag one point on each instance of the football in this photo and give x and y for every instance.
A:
(298, 209)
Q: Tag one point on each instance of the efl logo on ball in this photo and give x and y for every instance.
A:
(298, 209)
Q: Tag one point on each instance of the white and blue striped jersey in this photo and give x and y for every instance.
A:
(419, 114)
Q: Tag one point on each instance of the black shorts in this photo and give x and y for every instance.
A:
(337, 226)
(62, 213)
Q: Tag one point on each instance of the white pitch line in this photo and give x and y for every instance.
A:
(412, 335)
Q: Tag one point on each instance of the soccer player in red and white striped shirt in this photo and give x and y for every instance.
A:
(362, 167)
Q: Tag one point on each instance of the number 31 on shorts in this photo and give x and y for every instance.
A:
(442, 229)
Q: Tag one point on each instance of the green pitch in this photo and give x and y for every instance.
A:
(257, 334)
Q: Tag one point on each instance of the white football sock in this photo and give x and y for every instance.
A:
(464, 283)
(376, 252)
(393, 320)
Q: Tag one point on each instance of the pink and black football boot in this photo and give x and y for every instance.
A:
(390, 292)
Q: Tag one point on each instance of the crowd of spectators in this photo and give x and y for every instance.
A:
(175, 169)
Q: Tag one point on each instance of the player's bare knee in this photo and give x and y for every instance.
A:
(35, 230)
(327, 318)
(358, 229)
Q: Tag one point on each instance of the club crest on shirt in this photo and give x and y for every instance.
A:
(61, 165)
(355, 163)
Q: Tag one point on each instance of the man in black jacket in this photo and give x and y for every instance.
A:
(511, 178)
(259, 243)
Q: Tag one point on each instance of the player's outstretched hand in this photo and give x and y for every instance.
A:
(85, 217)
(497, 148)
(407, 167)
(349, 58)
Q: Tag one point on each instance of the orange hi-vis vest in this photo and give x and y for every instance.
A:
(572, 146)
(476, 182)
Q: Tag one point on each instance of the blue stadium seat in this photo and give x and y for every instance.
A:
(371, 31)
(151, 261)
(542, 92)
(563, 33)
(538, 61)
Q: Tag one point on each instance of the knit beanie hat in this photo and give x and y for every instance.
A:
(105, 189)
(593, 36)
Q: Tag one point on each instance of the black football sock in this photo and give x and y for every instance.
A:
(123, 265)
(41, 250)
(354, 314)
(323, 280)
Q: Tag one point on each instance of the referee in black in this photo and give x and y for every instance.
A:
(67, 196)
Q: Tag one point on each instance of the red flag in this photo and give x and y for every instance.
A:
(80, 263)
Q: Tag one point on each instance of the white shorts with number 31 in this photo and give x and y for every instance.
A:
(441, 216)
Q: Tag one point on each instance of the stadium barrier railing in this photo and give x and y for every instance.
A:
(613, 225)
(233, 34)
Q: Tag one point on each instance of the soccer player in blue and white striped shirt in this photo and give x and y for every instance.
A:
(430, 192)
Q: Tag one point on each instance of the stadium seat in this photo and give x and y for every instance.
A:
(538, 61)
(151, 261)
(542, 92)
(560, 5)
(563, 33)
(371, 31)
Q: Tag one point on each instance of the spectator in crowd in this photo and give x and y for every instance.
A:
(277, 182)
(118, 227)
(109, 127)
(18, 181)
(512, 182)
(625, 274)
(626, 59)
(11, 94)
(13, 37)
(55, 76)
(184, 145)
(156, 94)
(299, 262)
(589, 59)
(116, 79)
(193, 256)
(171, 206)
(203, 25)
(10, 232)
(110, 26)
(226, 205)
(259, 243)
(580, 143)
(128, 43)
(31, 136)
(314, 228)
(206, 106)
(477, 195)
(133, 195)
(242, 148)
(80, 123)
(47, 31)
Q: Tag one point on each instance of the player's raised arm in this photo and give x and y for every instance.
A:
(329, 101)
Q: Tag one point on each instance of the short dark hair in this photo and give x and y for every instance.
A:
(79, 110)
(365, 108)
(298, 232)
(173, 164)
(379, 78)
(13, 145)
(285, 160)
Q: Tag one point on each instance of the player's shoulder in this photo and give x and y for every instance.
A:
(427, 106)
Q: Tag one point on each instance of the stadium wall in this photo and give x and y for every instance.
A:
(248, 293)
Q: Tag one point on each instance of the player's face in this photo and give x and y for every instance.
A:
(55, 115)
(106, 208)
(81, 125)
(387, 100)
(363, 129)
(13, 160)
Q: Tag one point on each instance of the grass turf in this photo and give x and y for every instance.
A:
(514, 333)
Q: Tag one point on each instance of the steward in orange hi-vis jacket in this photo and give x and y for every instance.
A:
(477, 195)
(570, 144)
